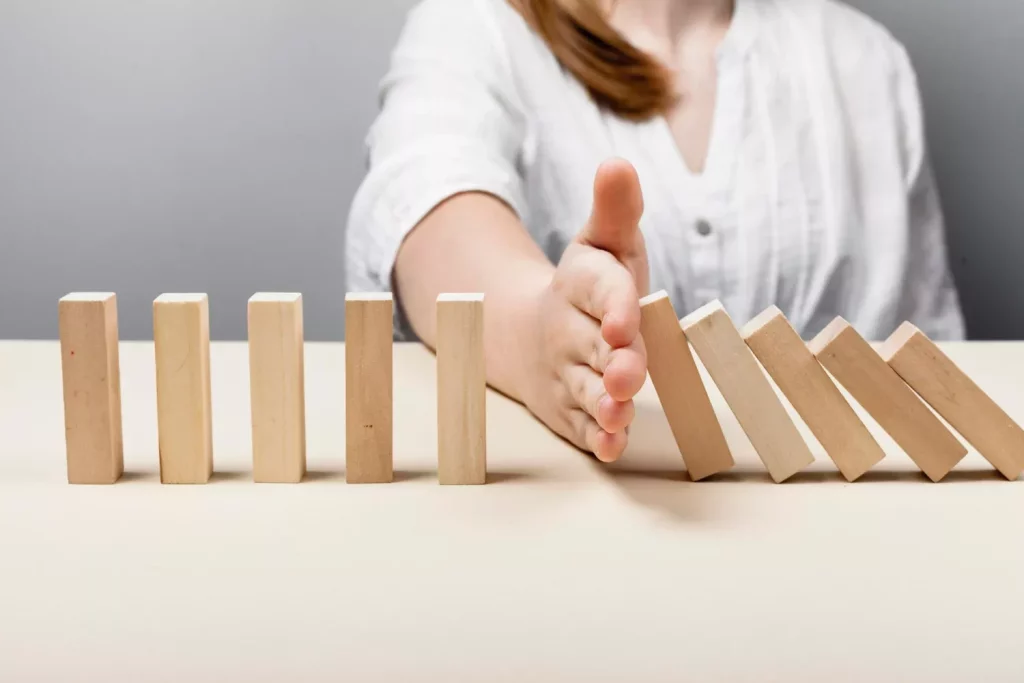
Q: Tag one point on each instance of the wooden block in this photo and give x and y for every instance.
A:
(461, 390)
(92, 387)
(681, 391)
(277, 388)
(747, 391)
(181, 334)
(885, 397)
(957, 398)
(368, 389)
(815, 397)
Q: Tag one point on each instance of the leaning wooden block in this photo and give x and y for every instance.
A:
(957, 398)
(814, 396)
(461, 390)
(747, 391)
(885, 397)
(277, 388)
(368, 389)
(181, 333)
(92, 388)
(681, 391)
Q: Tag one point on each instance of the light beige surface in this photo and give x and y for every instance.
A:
(681, 391)
(276, 390)
(559, 569)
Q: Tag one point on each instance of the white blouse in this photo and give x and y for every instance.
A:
(817, 195)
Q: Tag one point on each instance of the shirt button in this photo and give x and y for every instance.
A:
(703, 228)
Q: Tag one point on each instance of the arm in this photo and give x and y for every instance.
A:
(440, 211)
(447, 252)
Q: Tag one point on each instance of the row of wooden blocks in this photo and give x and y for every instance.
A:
(889, 384)
(181, 335)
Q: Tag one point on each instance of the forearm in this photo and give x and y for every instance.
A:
(475, 243)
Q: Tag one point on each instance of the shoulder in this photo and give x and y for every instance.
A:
(850, 38)
(483, 25)
(864, 61)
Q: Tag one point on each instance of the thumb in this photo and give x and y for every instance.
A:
(618, 206)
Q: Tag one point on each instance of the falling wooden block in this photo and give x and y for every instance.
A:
(92, 387)
(368, 388)
(815, 397)
(181, 334)
(277, 388)
(956, 397)
(757, 408)
(680, 389)
(885, 397)
(461, 390)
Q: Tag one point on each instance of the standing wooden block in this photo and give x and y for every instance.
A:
(957, 398)
(461, 390)
(368, 389)
(747, 391)
(277, 388)
(885, 397)
(92, 388)
(801, 378)
(181, 333)
(681, 391)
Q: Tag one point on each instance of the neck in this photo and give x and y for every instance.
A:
(670, 19)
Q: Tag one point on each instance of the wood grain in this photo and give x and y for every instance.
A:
(181, 335)
(745, 388)
(461, 390)
(887, 398)
(681, 391)
(90, 370)
(277, 387)
(957, 398)
(368, 389)
(812, 393)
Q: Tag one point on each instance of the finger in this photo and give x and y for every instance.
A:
(607, 447)
(624, 369)
(618, 207)
(586, 390)
(597, 284)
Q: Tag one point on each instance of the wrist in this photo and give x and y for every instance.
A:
(524, 333)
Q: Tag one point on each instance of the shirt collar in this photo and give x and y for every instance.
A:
(742, 30)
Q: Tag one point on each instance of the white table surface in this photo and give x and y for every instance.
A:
(560, 569)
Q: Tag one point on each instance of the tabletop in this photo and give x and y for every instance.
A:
(560, 568)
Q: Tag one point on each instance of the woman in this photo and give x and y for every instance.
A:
(779, 145)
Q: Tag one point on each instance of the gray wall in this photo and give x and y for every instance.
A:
(182, 145)
(969, 57)
(191, 145)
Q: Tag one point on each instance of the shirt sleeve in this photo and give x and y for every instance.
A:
(449, 123)
(930, 298)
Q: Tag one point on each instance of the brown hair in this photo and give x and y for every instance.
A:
(619, 76)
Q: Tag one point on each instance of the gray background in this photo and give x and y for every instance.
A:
(150, 146)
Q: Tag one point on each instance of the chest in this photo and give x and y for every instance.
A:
(691, 120)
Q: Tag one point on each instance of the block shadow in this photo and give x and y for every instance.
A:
(401, 476)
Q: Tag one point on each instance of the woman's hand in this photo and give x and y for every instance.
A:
(587, 360)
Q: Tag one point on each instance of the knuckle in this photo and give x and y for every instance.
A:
(560, 282)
